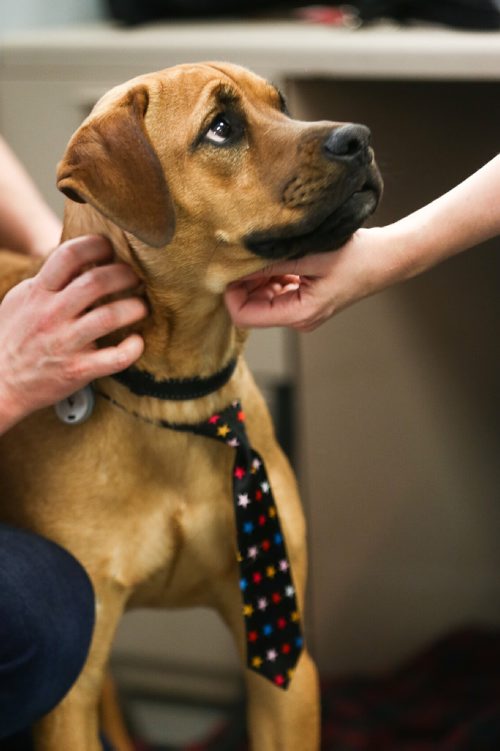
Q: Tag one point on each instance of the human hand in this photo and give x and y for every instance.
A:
(302, 294)
(48, 334)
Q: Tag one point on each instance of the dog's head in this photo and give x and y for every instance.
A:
(206, 156)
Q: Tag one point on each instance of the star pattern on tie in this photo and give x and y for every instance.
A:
(269, 605)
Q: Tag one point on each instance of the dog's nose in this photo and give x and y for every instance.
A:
(349, 143)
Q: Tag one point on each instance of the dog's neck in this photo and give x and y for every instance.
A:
(181, 342)
(189, 332)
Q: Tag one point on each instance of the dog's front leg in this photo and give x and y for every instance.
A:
(287, 720)
(74, 723)
(278, 720)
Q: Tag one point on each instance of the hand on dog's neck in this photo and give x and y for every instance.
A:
(188, 332)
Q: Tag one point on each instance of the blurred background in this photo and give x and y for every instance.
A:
(30, 14)
(389, 412)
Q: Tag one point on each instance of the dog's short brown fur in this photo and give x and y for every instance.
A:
(148, 511)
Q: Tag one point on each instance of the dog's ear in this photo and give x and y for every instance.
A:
(111, 164)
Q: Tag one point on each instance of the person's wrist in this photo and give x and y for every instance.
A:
(11, 410)
(393, 256)
(375, 262)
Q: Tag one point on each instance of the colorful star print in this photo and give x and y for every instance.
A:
(270, 610)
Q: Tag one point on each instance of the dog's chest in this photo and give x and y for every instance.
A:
(153, 507)
(182, 514)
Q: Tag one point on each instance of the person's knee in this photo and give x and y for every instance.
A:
(46, 623)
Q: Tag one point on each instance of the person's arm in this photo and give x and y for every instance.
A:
(304, 293)
(49, 325)
(27, 224)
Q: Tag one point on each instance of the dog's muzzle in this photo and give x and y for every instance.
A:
(336, 211)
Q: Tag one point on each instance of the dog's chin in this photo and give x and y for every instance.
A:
(329, 234)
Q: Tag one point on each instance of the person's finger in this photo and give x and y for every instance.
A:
(87, 288)
(235, 297)
(283, 285)
(105, 319)
(108, 360)
(70, 258)
(289, 279)
(310, 266)
(247, 312)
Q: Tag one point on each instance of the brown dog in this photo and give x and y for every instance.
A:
(198, 176)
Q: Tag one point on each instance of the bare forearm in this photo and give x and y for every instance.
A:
(462, 218)
(27, 224)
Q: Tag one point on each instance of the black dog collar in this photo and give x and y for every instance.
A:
(143, 383)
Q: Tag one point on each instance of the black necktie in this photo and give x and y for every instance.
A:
(270, 610)
(272, 621)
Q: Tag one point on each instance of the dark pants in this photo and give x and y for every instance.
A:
(46, 622)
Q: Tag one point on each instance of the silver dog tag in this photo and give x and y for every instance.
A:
(77, 407)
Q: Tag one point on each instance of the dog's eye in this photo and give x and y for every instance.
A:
(220, 130)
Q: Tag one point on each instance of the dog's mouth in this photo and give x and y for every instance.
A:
(320, 234)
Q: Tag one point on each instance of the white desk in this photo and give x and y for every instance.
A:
(285, 48)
